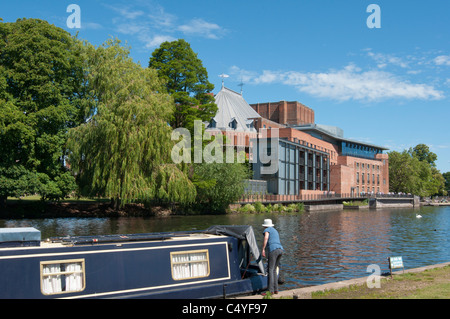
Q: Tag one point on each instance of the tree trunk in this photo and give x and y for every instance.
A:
(115, 203)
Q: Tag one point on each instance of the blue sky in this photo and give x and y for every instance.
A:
(388, 86)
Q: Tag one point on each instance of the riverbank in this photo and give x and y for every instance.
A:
(424, 282)
(78, 208)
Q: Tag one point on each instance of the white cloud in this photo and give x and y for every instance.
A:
(152, 25)
(442, 60)
(132, 28)
(201, 28)
(157, 40)
(162, 19)
(384, 59)
(349, 83)
(127, 12)
(91, 26)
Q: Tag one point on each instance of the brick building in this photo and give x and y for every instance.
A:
(283, 112)
(323, 160)
(312, 158)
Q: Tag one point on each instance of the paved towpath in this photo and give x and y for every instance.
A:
(305, 293)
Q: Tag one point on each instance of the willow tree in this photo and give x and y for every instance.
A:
(123, 150)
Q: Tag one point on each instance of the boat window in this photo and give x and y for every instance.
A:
(62, 276)
(189, 264)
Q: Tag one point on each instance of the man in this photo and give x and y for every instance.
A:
(273, 243)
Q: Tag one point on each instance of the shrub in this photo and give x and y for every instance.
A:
(300, 207)
(279, 208)
(259, 207)
(247, 208)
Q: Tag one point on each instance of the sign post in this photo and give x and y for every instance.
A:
(395, 262)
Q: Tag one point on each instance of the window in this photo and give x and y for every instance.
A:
(233, 123)
(62, 276)
(189, 264)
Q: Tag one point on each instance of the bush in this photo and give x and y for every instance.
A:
(259, 207)
(279, 208)
(300, 207)
(247, 208)
(291, 208)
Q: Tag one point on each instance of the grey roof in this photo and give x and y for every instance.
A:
(334, 132)
(232, 106)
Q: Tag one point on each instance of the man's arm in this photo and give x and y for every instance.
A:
(266, 238)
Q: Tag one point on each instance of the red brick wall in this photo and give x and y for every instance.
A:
(284, 112)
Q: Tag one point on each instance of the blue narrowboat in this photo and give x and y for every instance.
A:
(217, 262)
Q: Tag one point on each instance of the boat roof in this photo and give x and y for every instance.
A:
(20, 238)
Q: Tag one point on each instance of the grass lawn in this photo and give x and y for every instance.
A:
(429, 284)
(66, 200)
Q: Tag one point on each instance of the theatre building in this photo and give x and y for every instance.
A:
(312, 158)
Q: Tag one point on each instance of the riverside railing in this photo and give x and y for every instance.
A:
(252, 198)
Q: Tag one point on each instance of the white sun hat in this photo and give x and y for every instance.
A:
(268, 223)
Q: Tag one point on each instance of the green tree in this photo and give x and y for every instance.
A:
(187, 82)
(123, 150)
(423, 153)
(414, 172)
(447, 181)
(402, 176)
(41, 91)
(219, 184)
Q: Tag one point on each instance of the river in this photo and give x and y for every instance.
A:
(320, 247)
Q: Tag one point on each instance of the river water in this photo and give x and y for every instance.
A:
(320, 247)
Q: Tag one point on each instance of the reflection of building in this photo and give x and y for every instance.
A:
(312, 158)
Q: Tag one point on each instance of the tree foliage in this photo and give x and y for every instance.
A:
(41, 91)
(123, 150)
(414, 172)
(187, 82)
(422, 153)
(447, 181)
(219, 184)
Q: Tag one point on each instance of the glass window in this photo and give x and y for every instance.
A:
(190, 264)
(292, 188)
(292, 174)
(281, 187)
(281, 170)
(62, 276)
(282, 150)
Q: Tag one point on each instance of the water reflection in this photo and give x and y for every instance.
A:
(320, 247)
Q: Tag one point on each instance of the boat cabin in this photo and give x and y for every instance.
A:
(213, 263)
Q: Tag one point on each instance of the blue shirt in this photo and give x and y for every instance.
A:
(274, 239)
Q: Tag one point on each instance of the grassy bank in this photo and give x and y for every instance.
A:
(429, 284)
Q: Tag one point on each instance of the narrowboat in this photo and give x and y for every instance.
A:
(218, 262)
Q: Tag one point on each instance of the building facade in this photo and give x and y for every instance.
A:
(324, 160)
(311, 159)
